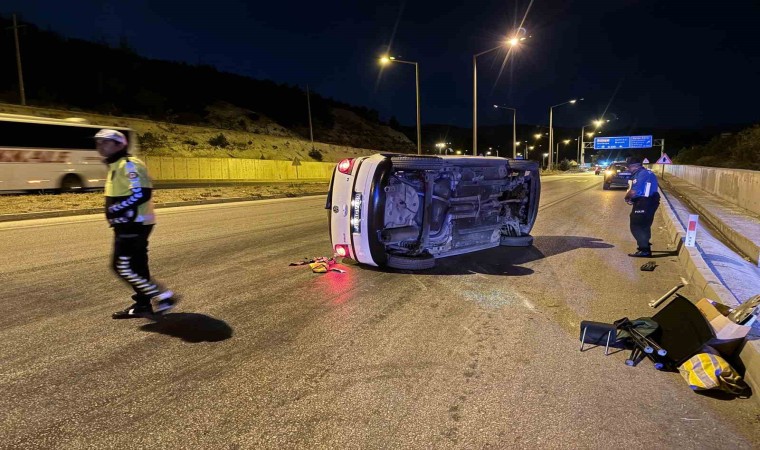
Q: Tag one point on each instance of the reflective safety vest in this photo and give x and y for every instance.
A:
(129, 193)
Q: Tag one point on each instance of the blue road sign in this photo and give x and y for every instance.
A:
(641, 141)
(607, 143)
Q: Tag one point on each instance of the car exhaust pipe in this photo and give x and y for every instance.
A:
(393, 235)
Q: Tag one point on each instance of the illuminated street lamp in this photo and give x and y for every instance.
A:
(566, 141)
(389, 59)
(551, 129)
(512, 43)
(544, 159)
(596, 123)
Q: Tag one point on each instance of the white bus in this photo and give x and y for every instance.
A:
(39, 153)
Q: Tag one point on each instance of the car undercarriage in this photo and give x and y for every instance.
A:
(451, 209)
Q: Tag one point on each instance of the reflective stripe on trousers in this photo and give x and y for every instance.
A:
(130, 261)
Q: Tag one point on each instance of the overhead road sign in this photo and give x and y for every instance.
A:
(606, 143)
(641, 142)
(617, 142)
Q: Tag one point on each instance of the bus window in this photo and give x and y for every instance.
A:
(46, 154)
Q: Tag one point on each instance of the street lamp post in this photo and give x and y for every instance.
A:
(581, 152)
(544, 159)
(308, 106)
(514, 128)
(22, 93)
(551, 125)
(566, 141)
(390, 59)
(597, 123)
(512, 43)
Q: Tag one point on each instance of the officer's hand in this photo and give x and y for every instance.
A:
(111, 214)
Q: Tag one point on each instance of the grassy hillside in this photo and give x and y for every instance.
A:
(243, 135)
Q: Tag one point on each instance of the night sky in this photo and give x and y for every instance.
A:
(666, 63)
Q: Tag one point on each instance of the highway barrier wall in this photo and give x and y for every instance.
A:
(166, 168)
(736, 186)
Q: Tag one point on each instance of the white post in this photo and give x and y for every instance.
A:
(551, 138)
(475, 105)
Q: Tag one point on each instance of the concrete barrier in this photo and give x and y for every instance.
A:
(736, 186)
(165, 168)
(733, 193)
(707, 285)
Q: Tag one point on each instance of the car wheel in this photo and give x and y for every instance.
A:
(421, 262)
(416, 163)
(71, 183)
(535, 189)
(606, 186)
(516, 241)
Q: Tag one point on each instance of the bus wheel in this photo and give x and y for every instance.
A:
(70, 183)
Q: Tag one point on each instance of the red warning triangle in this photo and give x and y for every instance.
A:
(664, 159)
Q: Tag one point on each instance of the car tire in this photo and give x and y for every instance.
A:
(535, 191)
(516, 241)
(421, 262)
(416, 163)
(71, 183)
(606, 186)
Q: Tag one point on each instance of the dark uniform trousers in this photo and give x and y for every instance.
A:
(642, 216)
(130, 260)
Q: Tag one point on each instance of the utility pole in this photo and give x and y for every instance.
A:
(18, 62)
(308, 105)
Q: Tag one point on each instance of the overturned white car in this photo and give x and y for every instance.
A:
(404, 211)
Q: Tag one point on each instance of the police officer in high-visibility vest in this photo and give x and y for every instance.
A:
(129, 211)
(643, 195)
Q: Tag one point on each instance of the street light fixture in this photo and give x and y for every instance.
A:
(512, 42)
(514, 127)
(551, 124)
(566, 141)
(582, 149)
(391, 59)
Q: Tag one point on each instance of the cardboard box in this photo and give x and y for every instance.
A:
(728, 335)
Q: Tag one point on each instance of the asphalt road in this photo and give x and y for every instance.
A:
(480, 352)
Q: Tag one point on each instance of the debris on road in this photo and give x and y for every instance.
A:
(695, 339)
(656, 303)
(708, 370)
(319, 264)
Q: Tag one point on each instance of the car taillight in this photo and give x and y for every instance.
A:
(341, 250)
(345, 166)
